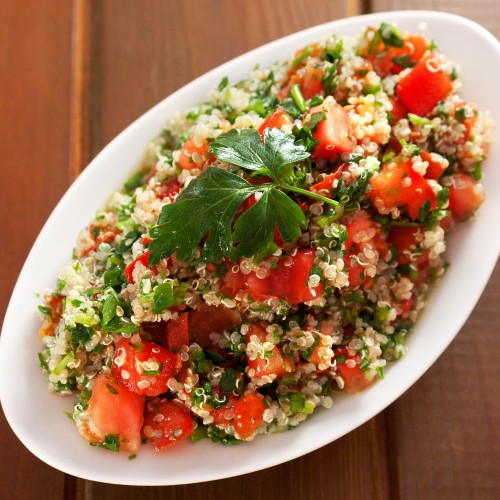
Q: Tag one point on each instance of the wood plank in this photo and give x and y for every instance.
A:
(445, 431)
(34, 102)
(484, 12)
(148, 53)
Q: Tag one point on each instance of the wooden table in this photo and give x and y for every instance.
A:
(73, 75)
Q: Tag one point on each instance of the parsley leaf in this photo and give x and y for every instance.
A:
(254, 230)
(163, 298)
(245, 149)
(207, 207)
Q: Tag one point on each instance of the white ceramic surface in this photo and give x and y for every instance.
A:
(37, 417)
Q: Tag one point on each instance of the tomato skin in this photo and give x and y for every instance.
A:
(406, 239)
(362, 223)
(177, 332)
(465, 196)
(143, 259)
(54, 303)
(399, 110)
(169, 189)
(435, 168)
(312, 81)
(206, 320)
(355, 380)
(414, 48)
(276, 119)
(128, 367)
(113, 409)
(286, 282)
(334, 133)
(275, 364)
(389, 185)
(248, 415)
(187, 151)
(325, 186)
(422, 89)
(172, 426)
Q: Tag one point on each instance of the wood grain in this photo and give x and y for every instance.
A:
(80, 73)
(484, 12)
(35, 76)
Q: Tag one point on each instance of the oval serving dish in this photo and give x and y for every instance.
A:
(37, 416)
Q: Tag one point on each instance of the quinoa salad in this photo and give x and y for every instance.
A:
(274, 249)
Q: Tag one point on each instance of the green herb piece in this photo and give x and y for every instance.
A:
(208, 205)
(163, 298)
(291, 108)
(424, 209)
(380, 372)
(418, 120)
(63, 363)
(365, 364)
(390, 35)
(381, 314)
(296, 93)
(300, 57)
(315, 120)
(132, 457)
(223, 84)
(47, 311)
(341, 359)
(461, 114)
(372, 89)
(81, 334)
(111, 389)
(335, 53)
(114, 276)
(111, 442)
(330, 80)
(199, 433)
(411, 149)
(227, 383)
(118, 325)
(109, 308)
(134, 181)
(43, 363)
(153, 372)
(404, 61)
(374, 43)
(297, 401)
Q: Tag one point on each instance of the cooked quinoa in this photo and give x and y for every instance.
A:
(253, 345)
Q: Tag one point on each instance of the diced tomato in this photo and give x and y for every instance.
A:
(223, 416)
(325, 186)
(312, 81)
(385, 62)
(206, 320)
(276, 119)
(100, 234)
(421, 89)
(398, 185)
(166, 423)
(468, 122)
(274, 363)
(288, 282)
(355, 380)
(143, 259)
(169, 189)
(465, 196)
(399, 110)
(144, 368)
(361, 232)
(177, 332)
(186, 160)
(436, 167)
(54, 303)
(334, 133)
(114, 410)
(248, 415)
(407, 241)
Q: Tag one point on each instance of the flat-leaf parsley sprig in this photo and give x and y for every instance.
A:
(208, 206)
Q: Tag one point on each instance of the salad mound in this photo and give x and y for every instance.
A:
(274, 250)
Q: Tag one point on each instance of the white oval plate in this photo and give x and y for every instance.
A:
(37, 417)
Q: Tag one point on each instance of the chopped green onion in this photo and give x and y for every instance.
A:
(296, 93)
(298, 60)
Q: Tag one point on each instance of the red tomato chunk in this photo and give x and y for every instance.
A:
(114, 410)
(166, 423)
(248, 415)
(144, 368)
